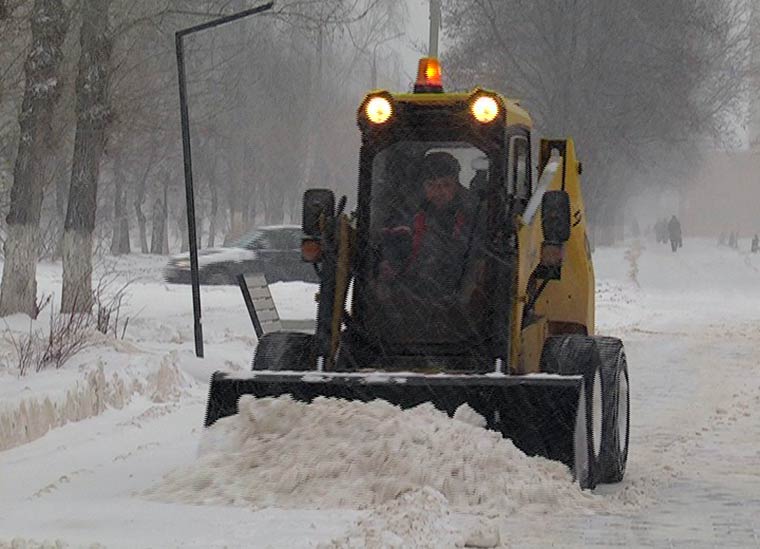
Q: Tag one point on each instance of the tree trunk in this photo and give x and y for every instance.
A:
(60, 207)
(140, 199)
(238, 197)
(141, 221)
(93, 116)
(18, 290)
(212, 216)
(239, 193)
(165, 235)
(120, 238)
(159, 238)
(274, 212)
(237, 224)
(157, 230)
(182, 226)
(252, 209)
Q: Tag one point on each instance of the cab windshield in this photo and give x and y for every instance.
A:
(427, 232)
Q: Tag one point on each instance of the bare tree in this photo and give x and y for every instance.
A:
(159, 240)
(142, 180)
(120, 236)
(18, 291)
(266, 107)
(93, 116)
(639, 85)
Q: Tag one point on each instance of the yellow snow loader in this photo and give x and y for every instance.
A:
(470, 281)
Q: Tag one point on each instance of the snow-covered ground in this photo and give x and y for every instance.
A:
(105, 452)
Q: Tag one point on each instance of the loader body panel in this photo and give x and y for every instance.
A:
(568, 303)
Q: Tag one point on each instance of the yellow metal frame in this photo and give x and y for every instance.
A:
(565, 305)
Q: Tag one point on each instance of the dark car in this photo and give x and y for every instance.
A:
(274, 250)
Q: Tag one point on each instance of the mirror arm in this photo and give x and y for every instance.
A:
(534, 298)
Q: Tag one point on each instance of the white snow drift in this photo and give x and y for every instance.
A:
(335, 453)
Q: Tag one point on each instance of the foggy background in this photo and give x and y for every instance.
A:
(657, 97)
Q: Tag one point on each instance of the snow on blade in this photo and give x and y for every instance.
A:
(349, 454)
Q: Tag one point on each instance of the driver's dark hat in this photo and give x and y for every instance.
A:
(439, 164)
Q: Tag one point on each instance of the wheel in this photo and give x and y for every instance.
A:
(587, 432)
(218, 277)
(616, 417)
(284, 351)
(579, 355)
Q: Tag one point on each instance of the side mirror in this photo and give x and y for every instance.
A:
(555, 216)
(315, 203)
(555, 222)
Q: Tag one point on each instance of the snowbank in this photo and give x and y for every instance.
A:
(31, 414)
(21, 543)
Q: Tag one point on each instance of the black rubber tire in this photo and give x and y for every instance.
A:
(614, 455)
(218, 277)
(284, 351)
(575, 354)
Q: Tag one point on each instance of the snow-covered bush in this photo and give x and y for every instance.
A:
(67, 335)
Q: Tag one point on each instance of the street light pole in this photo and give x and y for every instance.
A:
(187, 160)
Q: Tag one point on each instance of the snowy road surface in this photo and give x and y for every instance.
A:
(133, 411)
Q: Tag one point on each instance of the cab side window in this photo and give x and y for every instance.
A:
(519, 170)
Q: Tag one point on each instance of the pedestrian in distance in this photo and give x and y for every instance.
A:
(660, 231)
(674, 233)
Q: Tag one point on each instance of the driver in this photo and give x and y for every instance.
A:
(439, 231)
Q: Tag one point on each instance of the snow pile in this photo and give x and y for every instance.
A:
(348, 454)
(28, 418)
(421, 519)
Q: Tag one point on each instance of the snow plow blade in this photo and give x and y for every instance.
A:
(543, 414)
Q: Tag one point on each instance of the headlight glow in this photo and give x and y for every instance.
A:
(378, 110)
(485, 109)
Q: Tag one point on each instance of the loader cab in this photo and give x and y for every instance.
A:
(422, 270)
(433, 261)
(429, 279)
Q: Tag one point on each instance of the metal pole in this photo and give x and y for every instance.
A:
(189, 196)
(435, 25)
(188, 164)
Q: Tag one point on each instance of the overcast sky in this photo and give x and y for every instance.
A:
(416, 36)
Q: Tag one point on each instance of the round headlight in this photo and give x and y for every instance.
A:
(485, 108)
(378, 110)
